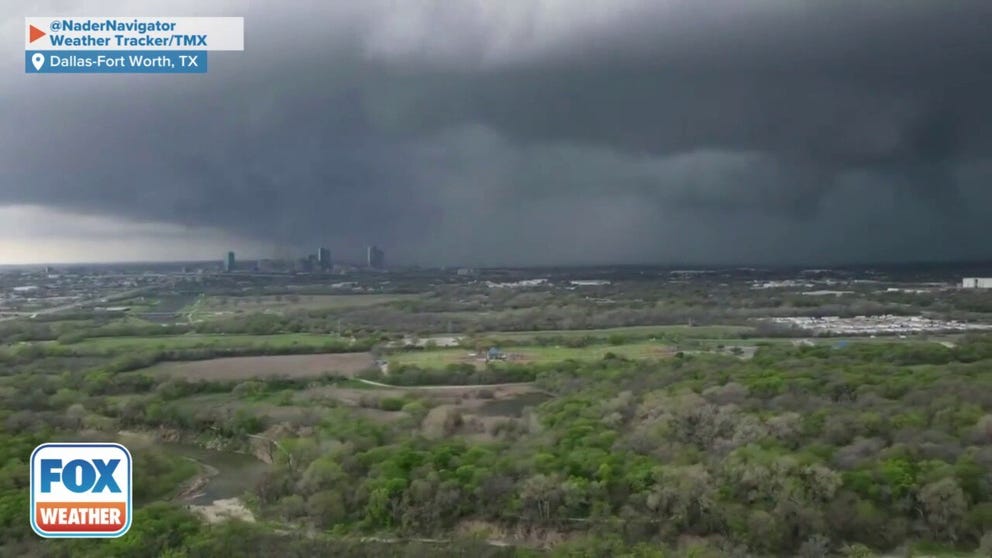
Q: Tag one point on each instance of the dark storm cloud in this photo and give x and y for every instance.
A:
(712, 130)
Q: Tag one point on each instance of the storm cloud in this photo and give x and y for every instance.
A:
(554, 131)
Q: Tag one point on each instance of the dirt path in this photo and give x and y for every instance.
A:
(221, 510)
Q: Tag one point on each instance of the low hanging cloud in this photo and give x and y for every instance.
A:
(537, 131)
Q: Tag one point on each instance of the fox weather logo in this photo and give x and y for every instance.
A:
(80, 490)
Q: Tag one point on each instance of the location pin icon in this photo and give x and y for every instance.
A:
(38, 59)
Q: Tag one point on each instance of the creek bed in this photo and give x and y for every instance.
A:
(237, 473)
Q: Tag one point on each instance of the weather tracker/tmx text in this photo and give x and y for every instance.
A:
(115, 25)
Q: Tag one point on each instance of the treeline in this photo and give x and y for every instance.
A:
(972, 348)
(586, 315)
(453, 375)
(144, 358)
(75, 331)
(482, 342)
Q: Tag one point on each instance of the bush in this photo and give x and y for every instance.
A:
(391, 404)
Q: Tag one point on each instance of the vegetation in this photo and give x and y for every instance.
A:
(577, 349)
(453, 375)
(632, 449)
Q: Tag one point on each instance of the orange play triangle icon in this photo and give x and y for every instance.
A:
(34, 33)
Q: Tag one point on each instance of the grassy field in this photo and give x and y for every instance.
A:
(244, 368)
(534, 354)
(636, 350)
(98, 345)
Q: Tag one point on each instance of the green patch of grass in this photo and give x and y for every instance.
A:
(637, 350)
(633, 351)
(535, 354)
(102, 345)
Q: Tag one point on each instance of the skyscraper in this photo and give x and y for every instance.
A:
(308, 263)
(324, 259)
(229, 262)
(376, 257)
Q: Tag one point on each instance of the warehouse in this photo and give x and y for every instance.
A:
(977, 282)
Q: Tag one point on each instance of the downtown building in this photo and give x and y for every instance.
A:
(324, 259)
(375, 257)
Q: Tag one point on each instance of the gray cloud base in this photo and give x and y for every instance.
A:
(545, 132)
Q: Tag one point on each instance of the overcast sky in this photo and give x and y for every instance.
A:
(516, 132)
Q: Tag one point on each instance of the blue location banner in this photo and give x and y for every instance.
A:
(115, 62)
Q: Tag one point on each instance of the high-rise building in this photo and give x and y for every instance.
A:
(376, 257)
(229, 262)
(324, 259)
(307, 264)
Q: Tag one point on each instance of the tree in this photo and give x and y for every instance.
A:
(327, 508)
(686, 498)
(944, 507)
(817, 546)
(322, 473)
(541, 495)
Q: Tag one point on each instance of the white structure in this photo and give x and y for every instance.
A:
(870, 325)
(977, 282)
(522, 284)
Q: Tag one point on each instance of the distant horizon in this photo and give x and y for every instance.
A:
(675, 266)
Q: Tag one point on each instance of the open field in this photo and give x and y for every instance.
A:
(640, 350)
(202, 341)
(534, 354)
(244, 368)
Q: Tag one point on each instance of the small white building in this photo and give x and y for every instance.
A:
(977, 282)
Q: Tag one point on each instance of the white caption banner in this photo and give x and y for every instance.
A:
(134, 33)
